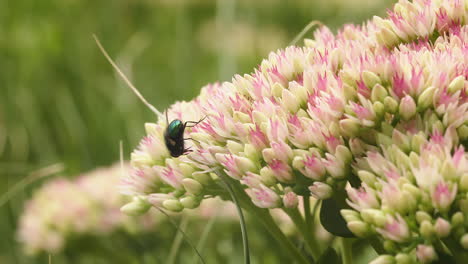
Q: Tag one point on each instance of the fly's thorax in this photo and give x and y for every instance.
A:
(175, 129)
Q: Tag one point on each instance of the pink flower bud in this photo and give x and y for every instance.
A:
(157, 199)
(321, 190)
(425, 253)
(407, 107)
(443, 197)
(442, 227)
(252, 180)
(170, 175)
(395, 229)
(290, 200)
(362, 198)
(264, 197)
(313, 167)
(281, 170)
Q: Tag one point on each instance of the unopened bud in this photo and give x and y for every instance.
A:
(173, 205)
(234, 147)
(401, 140)
(321, 190)
(192, 186)
(422, 216)
(190, 202)
(417, 141)
(267, 176)
(442, 227)
(202, 178)
(383, 259)
(457, 219)
(462, 132)
(425, 253)
(379, 108)
(390, 246)
(387, 37)
(367, 177)
(136, 207)
(426, 98)
(290, 200)
(374, 216)
(464, 241)
(359, 228)
(456, 84)
(407, 107)
(391, 105)
(370, 79)
(350, 215)
(349, 127)
(427, 229)
(403, 258)
(378, 93)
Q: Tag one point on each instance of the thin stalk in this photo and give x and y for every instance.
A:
(245, 239)
(181, 232)
(304, 31)
(177, 241)
(346, 251)
(307, 215)
(375, 243)
(299, 222)
(265, 218)
(204, 237)
(32, 177)
(284, 242)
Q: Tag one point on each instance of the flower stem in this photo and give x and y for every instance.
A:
(309, 238)
(245, 240)
(284, 242)
(265, 218)
(376, 245)
(346, 251)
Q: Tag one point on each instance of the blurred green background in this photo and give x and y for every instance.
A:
(61, 102)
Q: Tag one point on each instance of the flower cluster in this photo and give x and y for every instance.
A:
(413, 201)
(63, 209)
(382, 106)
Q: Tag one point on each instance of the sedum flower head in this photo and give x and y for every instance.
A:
(63, 209)
(381, 105)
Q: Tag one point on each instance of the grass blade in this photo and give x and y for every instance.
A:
(183, 234)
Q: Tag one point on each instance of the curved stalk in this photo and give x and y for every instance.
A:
(263, 215)
(303, 227)
(245, 239)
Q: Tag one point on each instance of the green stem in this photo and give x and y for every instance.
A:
(265, 218)
(204, 237)
(304, 228)
(177, 242)
(376, 245)
(284, 242)
(346, 251)
(245, 240)
(307, 215)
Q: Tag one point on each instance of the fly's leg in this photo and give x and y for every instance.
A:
(193, 123)
(192, 140)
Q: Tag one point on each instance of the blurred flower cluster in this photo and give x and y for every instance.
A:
(64, 209)
(377, 112)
